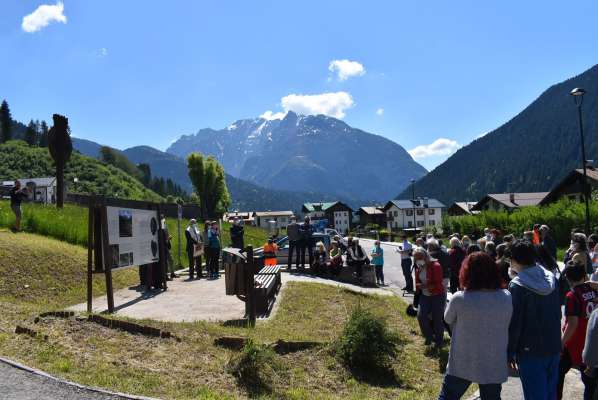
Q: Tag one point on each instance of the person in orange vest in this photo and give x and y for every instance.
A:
(270, 250)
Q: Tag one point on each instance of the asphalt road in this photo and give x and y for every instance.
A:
(393, 274)
(17, 384)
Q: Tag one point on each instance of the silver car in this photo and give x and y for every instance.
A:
(282, 255)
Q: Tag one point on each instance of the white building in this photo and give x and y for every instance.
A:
(272, 219)
(40, 190)
(335, 214)
(421, 214)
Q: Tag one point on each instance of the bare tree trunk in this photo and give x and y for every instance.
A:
(59, 186)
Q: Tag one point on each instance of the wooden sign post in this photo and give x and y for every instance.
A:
(106, 256)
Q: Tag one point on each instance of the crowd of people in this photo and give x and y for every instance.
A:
(504, 311)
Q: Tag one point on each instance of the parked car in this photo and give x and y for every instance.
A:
(282, 255)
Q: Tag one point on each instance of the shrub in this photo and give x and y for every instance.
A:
(561, 217)
(254, 367)
(366, 342)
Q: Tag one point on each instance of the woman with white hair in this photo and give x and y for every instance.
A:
(428, 280)
(194, 248)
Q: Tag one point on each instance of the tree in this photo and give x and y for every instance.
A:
(146, 174)
(61, 148)
(5, 122)
(43, 134)
(31, 134)
(208, 179)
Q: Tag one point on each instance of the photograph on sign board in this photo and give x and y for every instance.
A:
(125, 259)
(125, 223)
(154, 248)
(154, 226)
(115, 253)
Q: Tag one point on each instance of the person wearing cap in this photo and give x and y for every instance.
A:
(270, 249)
(194, 248)
(579, 304)
(237, 234)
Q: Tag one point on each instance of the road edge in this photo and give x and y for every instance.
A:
(43, 374)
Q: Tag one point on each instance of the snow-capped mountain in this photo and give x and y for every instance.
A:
(307, 153)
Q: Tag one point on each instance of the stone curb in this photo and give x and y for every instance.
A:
(73, 384)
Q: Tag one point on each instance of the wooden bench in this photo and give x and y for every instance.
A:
(265, 292)
(272, 270)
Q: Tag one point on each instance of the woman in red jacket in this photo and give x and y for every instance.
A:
(430, 312)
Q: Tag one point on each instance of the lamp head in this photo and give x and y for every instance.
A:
(577, 94)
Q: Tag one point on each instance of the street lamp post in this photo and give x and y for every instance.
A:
(577, 94)
(413, 204)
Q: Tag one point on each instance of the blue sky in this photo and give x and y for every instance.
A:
(145, 72)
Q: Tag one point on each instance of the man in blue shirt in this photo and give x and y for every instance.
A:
(405, 249)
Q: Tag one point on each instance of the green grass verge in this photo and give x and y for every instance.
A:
(70, 225)
(41, 274)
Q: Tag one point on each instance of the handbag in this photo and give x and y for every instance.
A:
(198, 250)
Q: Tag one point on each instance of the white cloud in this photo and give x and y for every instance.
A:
(439, 147)
(43, 16)
(380, 111)
(103, 52)
(332, 104)
(346, 69)
(269, 115)
(482, 134)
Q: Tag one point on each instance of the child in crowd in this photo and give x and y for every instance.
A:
(579, 304)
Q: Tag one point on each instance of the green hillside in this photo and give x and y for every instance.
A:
(18, 160)
(530, 153)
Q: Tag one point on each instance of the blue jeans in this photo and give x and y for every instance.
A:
(539, 376)
(453, 388)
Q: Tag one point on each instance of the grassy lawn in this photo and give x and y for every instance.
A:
(70, 225)
(42, 274)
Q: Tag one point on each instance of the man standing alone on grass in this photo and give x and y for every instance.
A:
(534, 332)
(17, 195)
(294, 241)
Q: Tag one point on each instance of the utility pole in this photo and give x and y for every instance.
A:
(577, 94)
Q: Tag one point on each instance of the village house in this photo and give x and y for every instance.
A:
(272, 219)
(39, 190)
(417, 214)
(572, 186)
(337, 214)
(508, 201)
(371, 216)
(461, 208)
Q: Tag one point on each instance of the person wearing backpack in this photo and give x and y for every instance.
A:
(534, 332)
